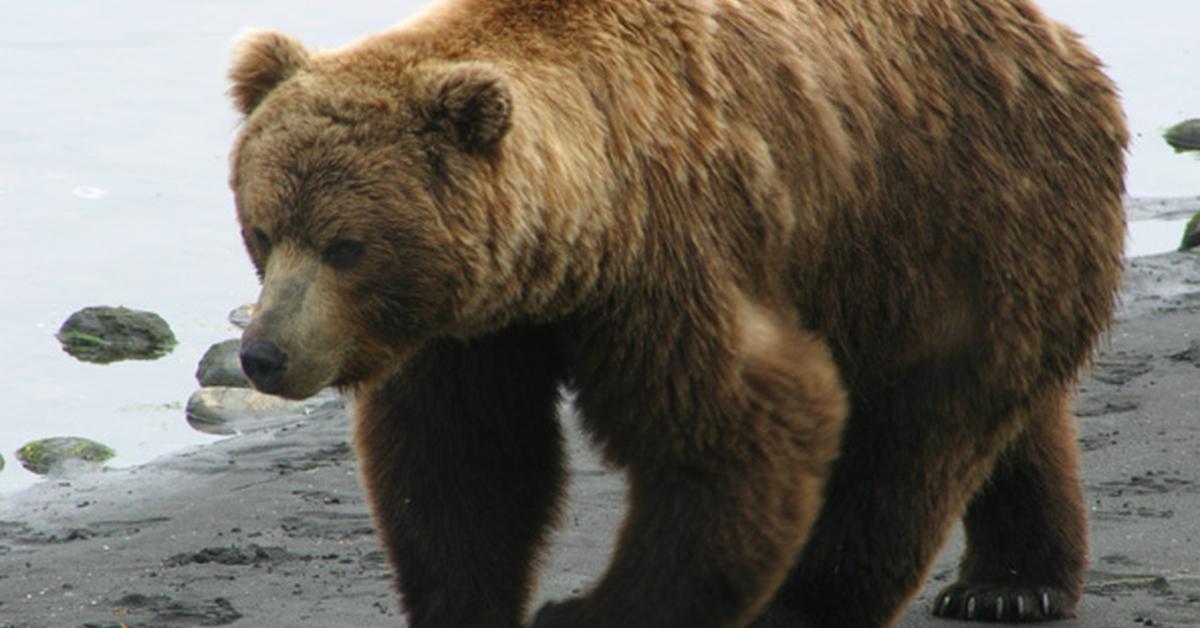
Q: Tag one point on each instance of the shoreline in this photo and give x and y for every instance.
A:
(270, 527)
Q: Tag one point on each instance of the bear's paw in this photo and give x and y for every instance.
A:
(1002, 603)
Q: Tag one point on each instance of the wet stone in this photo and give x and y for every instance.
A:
(104, 334)
(240, 316)
(225, 410)
(47, 455)
(1184, 136)
(222, 366)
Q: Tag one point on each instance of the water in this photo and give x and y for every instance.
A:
(1152, 236)
(114, 131)
(1152, 52)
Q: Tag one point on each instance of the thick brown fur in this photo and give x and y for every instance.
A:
(821, 272)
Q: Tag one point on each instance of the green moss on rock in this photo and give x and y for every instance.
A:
(108, 334)
(80, 339)
(41, 456)
(1191, 234)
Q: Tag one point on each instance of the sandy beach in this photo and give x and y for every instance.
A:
(270, 528)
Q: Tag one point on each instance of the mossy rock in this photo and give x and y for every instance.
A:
(1191, 234)
(1184, 136)
(42, 456)
(105, 334)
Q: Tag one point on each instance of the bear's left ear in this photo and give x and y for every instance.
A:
(261, 61)
(473, 104)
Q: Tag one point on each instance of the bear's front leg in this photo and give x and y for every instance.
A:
(462, 461)
(726, 465)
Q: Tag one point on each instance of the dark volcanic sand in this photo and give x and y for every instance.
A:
(270, 528)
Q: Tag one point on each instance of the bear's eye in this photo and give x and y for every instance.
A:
(262, 240)
(344, 253)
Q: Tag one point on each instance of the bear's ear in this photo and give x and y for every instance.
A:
(261, 61)
(474, 106)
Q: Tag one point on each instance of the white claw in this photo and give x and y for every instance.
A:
(1020, 606)
(1045, 603)
(999, 608)
(971, 607)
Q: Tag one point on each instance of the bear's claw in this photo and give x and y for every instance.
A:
(1000, 603)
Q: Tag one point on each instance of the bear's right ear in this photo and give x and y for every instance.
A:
(261, 61)
(474, 106)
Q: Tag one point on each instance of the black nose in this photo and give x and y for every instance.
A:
(264, 364)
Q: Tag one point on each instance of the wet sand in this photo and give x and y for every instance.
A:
(270, 528)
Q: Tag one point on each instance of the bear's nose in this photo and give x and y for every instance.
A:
(264, 364)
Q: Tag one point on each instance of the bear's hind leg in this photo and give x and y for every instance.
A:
(1026, 530)
(462, 461)
(910, 463)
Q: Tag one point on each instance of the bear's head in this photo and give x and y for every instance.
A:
(360, 184)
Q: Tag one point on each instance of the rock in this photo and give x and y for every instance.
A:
(1191, 234)
(241, 316)
(107, 334)
(44, 456)
(1184, 136)
(222, 366)
(224, 410)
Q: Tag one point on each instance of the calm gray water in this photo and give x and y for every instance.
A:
(114, 131)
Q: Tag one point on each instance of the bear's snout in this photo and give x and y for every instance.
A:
(265, 364)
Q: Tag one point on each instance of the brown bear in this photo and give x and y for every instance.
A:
(820, 273)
